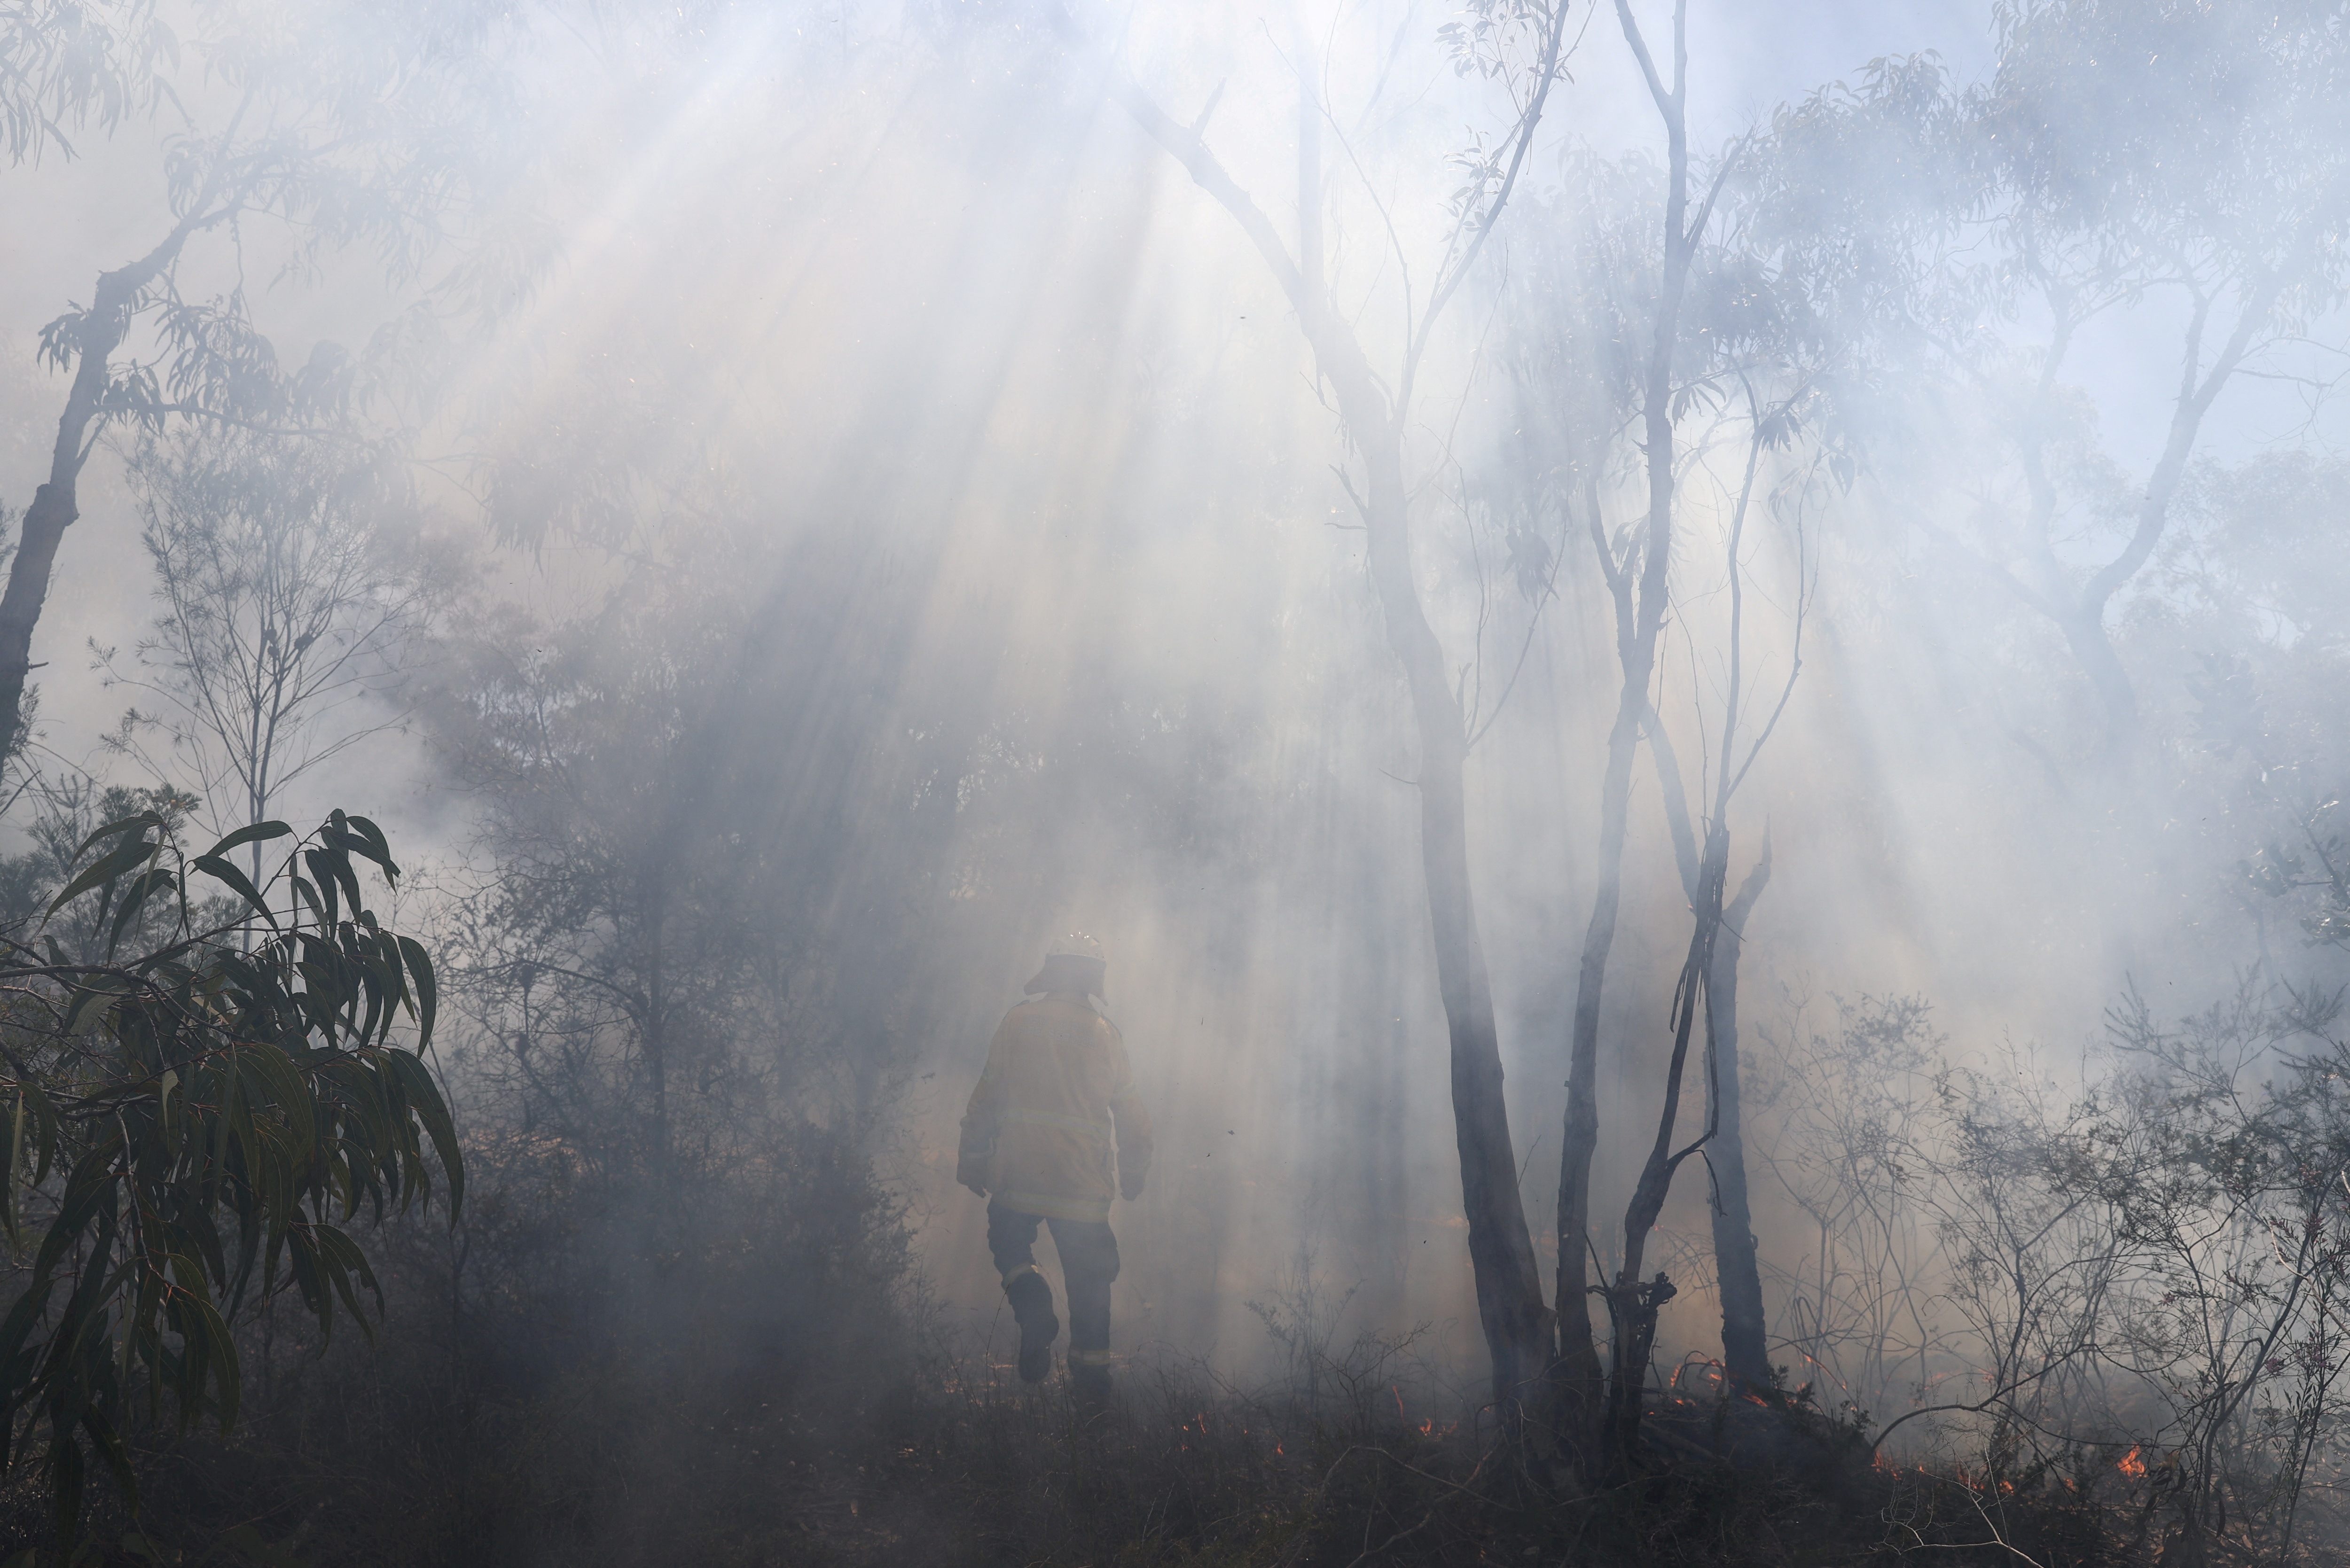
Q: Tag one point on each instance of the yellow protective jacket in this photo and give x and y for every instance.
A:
(1055, 1119)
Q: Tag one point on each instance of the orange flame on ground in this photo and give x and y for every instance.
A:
(2132, 1465)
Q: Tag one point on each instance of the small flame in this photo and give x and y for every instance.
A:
(2132, 1465)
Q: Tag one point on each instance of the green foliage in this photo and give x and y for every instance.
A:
(190, 1126)
(67, 64)
(355, 127)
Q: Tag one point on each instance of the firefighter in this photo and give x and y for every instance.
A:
(1054, 1128)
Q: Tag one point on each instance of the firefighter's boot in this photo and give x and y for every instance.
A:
(1032, 1309)
(1090, 1381)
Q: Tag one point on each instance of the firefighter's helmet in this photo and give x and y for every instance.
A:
(1076, 951)
(1077, 945)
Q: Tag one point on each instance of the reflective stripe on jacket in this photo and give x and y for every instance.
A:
(1055, 1117)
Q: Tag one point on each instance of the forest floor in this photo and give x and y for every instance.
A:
(968, 1468)
(1186, 1470)
(823, 1452)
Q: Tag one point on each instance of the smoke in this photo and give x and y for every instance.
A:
(877, 379)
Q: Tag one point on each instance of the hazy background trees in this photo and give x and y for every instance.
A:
(294, 595)
(337, 129)
(832, 583)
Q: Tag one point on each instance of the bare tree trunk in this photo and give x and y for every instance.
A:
(95, 337)
(1633, 1304)
(1578, 1365)
(2085, 628)
(2081, 614)
(1738, 1272)
(1501, 1248)
(1737, 1269)
(656, 1037)
(46, 520)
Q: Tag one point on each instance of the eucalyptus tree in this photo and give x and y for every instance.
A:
(2181, 169)
(294, 592)
(606, 939)
(330, 125)
(1517, 46)
(1654, 349)
(1642, 599)
(198, 1109)
(669, 923)
(67, 807)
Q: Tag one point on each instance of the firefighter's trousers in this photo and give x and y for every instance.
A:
(1088, 1263)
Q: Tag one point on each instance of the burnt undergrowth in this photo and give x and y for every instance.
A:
(800, 1450)
(717, 1351)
